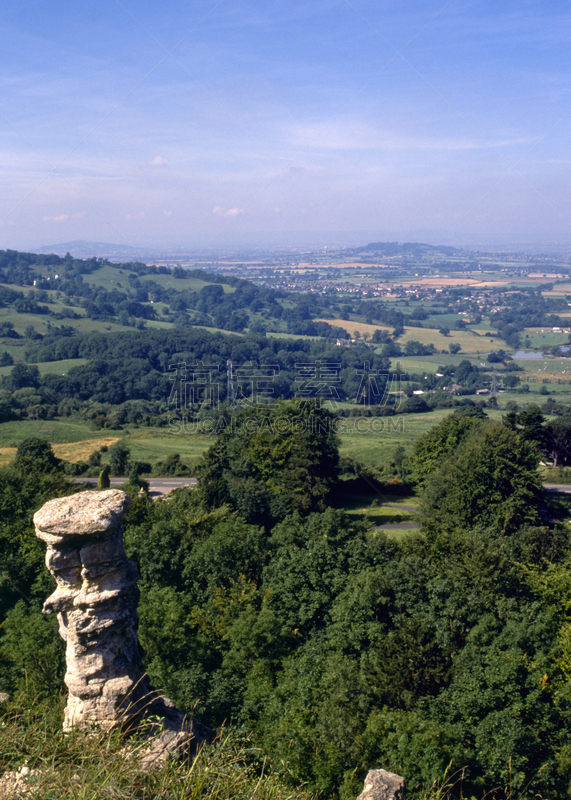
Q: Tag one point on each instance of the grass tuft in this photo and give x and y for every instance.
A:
(100, 766)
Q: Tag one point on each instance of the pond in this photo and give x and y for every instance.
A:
(527, 354)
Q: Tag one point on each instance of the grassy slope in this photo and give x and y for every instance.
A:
(99, 766)
(470, 341)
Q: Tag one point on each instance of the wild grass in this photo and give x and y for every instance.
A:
(101, 766)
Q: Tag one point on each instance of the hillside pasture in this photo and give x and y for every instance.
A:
(543, 337)
(50, 367)
(538, 368)
(469, 341)
(184, 284)
(350, 326)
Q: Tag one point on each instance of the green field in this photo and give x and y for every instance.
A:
(470, 342)
(188, 284)
(542, 337)
(75, 439)
(378, 508)
(40, 323)
(371, 440)
(539, 368)
(51, 367)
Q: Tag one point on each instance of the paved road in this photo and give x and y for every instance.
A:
(398, 526)
(158, 487)
(565, 488)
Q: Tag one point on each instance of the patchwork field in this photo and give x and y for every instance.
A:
(469, 341)
(350, 326)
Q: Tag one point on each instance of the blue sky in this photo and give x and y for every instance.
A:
(201, 122)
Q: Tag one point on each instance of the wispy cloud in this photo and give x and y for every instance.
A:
(360, 136)
(64, 217)
(229, 212)
(158, 161)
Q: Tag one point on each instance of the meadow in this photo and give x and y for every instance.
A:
(471, 342)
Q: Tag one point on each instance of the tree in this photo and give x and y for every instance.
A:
(444, 330)
(23, 376)
(491, 480)
(103, 482)
(558, 441)
(441, 441)
(454, 348)
(529, 423)
(119, 455)
(272, 460)
(35, 455)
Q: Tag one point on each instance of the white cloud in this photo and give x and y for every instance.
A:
(64, 217)
(158, 161)
(167, 213)
(59, 218)
(361, 136)
(140, 215)
(230, 212)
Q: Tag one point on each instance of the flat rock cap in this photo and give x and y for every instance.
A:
(82, 514)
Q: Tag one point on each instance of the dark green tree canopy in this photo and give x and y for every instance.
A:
(35, 455)
(441, 441)
(272, 460)
(489, 480)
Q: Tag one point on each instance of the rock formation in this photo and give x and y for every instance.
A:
(383, 785)
(96, 605)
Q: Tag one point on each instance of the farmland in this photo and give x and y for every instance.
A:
(426, 311)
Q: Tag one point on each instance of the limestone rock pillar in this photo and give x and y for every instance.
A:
(96, 605)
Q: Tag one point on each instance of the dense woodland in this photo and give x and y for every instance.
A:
(332, 647)
(327, 645)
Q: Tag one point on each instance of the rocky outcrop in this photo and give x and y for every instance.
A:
(383, 785)
(96, 605)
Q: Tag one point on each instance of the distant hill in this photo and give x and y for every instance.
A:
(417, 249)
(39, 292)
(83, 249)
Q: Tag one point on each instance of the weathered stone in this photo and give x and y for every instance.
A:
(98, 513)
(383, 785)
(15, 785)
(96, 605)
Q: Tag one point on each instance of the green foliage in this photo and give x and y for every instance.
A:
(271, 461)
(95, 766)
(103, 482)
(32, 657)
(35, 455)
(440, 442)
(21, 495)
(119, 455)
(334, 648)
(491, 479)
